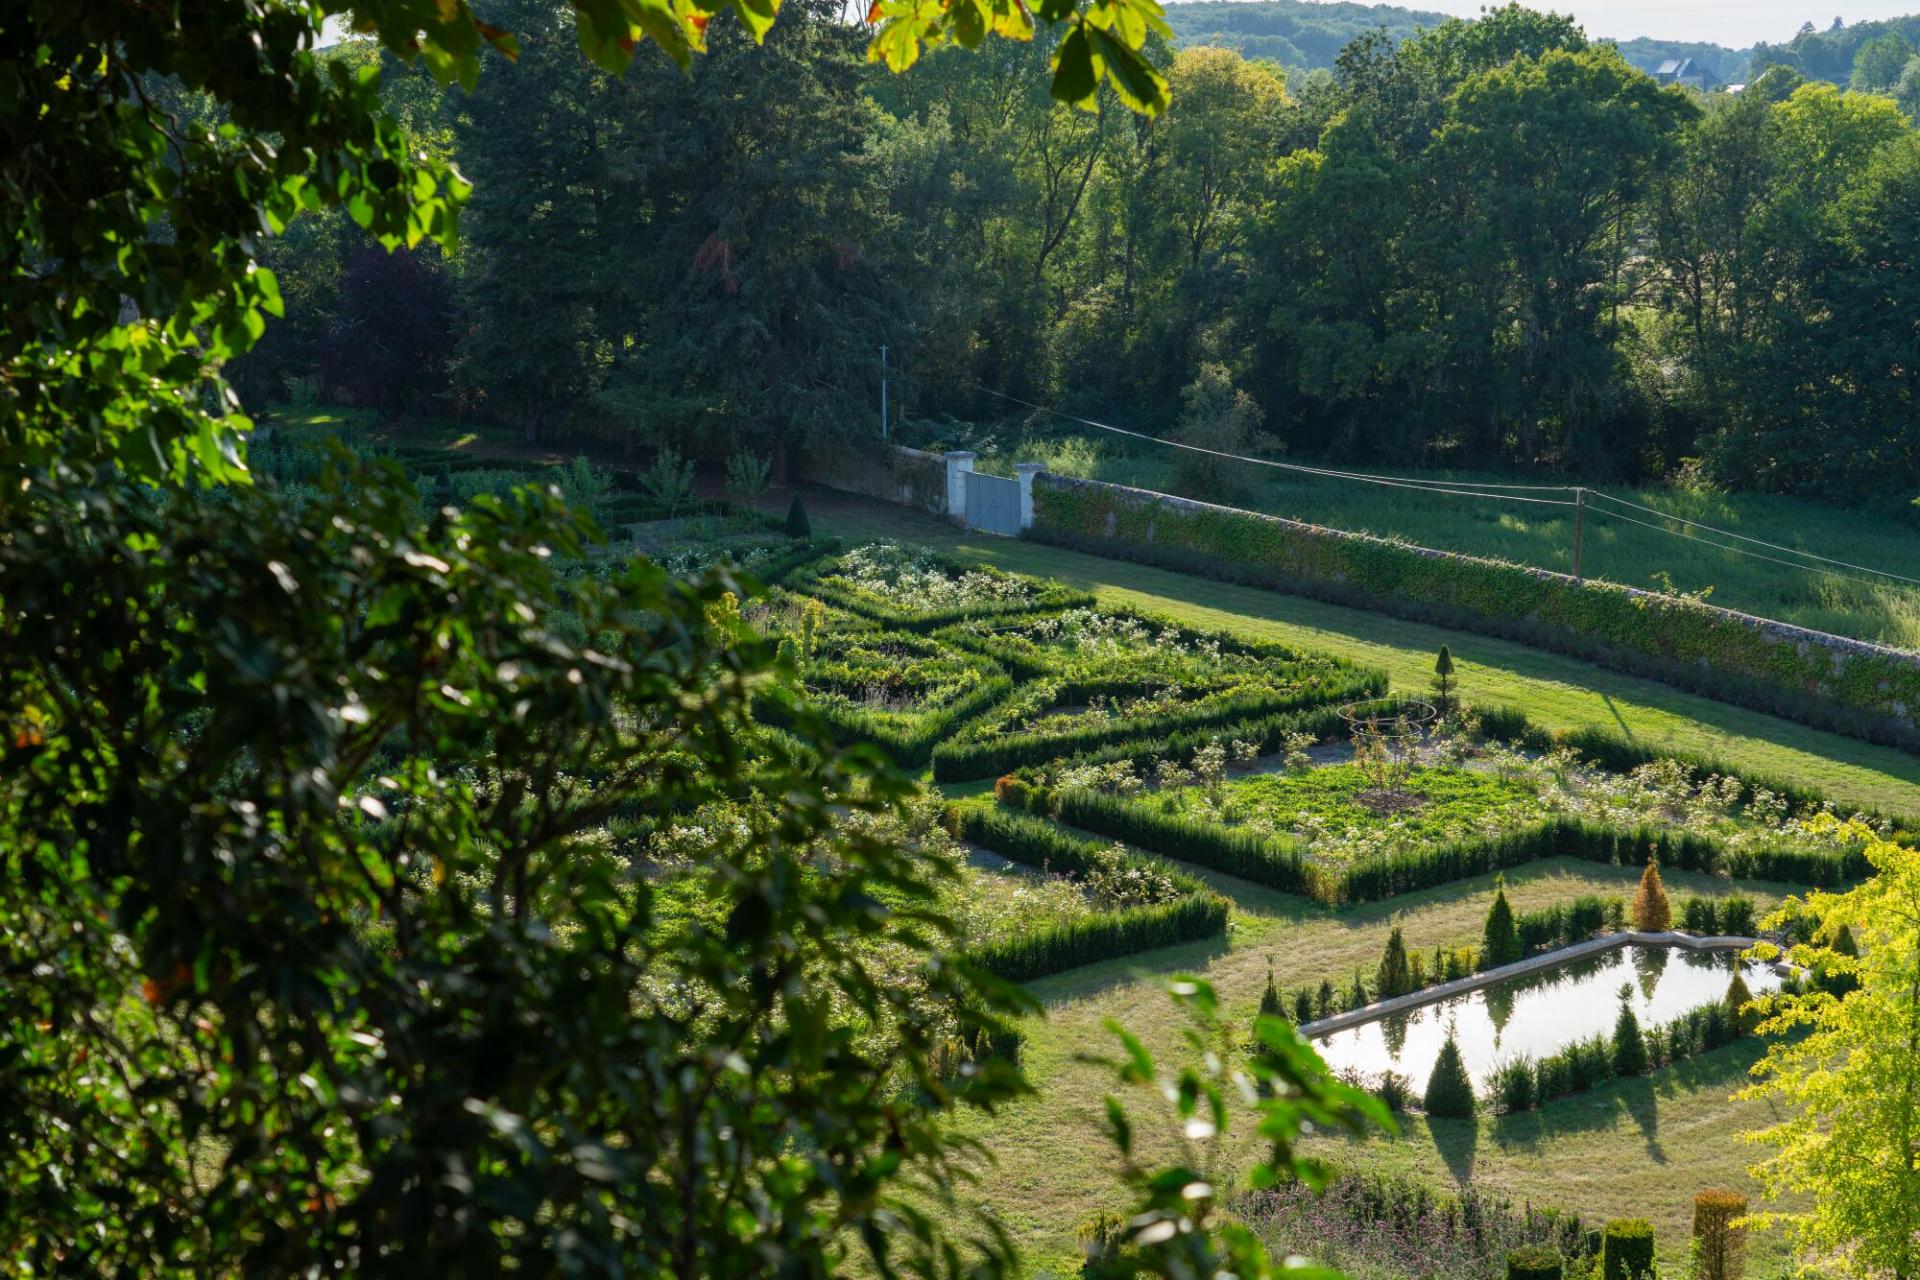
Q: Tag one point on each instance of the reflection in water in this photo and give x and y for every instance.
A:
(1542, 1012)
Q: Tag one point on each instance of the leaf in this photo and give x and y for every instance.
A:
(1074, 78)
(1133, 78)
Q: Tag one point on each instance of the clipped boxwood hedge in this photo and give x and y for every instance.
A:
(1851, 687)
(1038, 952)
(1281, 863)
(984, 752)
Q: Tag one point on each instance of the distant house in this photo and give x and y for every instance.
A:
(1686, 71)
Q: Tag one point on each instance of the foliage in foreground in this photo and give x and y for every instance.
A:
(1848, 1070)
(1175, 1233)
(309, 958)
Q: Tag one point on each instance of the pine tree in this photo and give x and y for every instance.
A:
(1449, 1088)
(1652, 913)
(797, 523)
(1443, 681)
(1629, 1046)
(1395, 976)
(1500, 942)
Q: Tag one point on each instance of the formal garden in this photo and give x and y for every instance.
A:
(1104, 785)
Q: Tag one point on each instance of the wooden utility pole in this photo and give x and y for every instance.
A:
(1579, 524)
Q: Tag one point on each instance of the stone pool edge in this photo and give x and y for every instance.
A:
(1545, 960)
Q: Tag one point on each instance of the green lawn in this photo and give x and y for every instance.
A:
(1530, 533)
(1639, 1147)
(1558, 692)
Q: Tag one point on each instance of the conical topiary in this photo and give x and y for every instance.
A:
(797, 524)
(1395, 977)
(1738, 997)
(1443, 680)
(1831, 980)
(1652, 913)
(1449, 1088)
(1500, 943)
(1629, 1046)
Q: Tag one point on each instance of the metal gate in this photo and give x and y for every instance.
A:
(993, 504)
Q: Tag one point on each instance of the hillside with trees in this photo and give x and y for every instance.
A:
(1494, 244)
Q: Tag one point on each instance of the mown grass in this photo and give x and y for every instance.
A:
(1639, 1146)
(1557, 692)
(1614, 549)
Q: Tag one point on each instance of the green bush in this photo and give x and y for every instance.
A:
(1500, 939)
(1513, 1085)
(1627, 1250)
(1449, 1088)
(1534, 1262)
(798, 526)
(1629, 1046)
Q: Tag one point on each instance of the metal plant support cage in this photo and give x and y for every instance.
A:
(1387, 736)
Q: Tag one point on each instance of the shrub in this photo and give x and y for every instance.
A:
(1302, 1007)
(1271, 1006)
(1449, 1088)
(1501, 940)
(668, 483)
(1627, 1250)
(1736, 916)
(1719, 1246)
(1700, 915)
(1395, 977)
(1651, 911)
(1513, 1087)
(798, 526)
(1832, 979)
(1738, 997)
(1534, 1262)
(1443, 681)
(747, 473)
(1394, 1089)
(1629, 1046)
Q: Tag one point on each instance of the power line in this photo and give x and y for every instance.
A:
(1393, 482)
(1758, 542)
(1511, 493)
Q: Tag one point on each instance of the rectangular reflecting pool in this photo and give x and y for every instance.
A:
(1539, 1013)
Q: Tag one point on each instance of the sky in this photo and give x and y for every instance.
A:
(1737, 24)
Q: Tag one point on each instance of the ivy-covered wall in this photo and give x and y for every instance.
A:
(1850, 686)
(909, 477)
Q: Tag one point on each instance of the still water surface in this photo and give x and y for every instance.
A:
(1542, 1012)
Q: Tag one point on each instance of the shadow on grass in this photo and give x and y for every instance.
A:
(1457, 1141)
(1124, 971)
(1636, 1101)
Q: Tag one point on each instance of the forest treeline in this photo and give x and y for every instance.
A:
(1493, 244)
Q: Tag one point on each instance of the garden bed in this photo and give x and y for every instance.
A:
(917, 590)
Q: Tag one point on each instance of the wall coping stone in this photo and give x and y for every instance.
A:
(1532, 964)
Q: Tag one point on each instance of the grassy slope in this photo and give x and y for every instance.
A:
(1641, 1147)
(1556, 691)
(1614, 549)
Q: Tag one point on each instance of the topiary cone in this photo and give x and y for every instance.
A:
(1652, 913)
